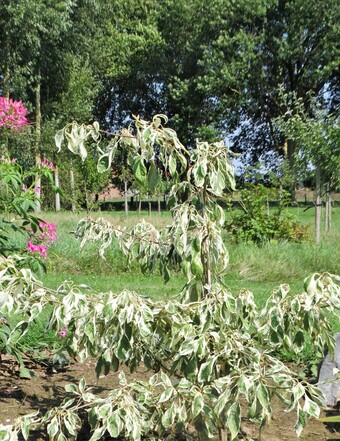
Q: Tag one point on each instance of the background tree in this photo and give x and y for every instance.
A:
(317, 138)
(214, 69)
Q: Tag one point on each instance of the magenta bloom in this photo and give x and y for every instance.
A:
(63, 331)
(48, 233)
(48, 164)
(12, 114)
(40, 249)
(44, 237)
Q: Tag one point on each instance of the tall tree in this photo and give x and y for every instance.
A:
(261, 46)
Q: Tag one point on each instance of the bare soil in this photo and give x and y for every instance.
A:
(46, 389)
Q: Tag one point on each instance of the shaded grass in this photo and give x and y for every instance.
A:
(149, 285)
(271, 262)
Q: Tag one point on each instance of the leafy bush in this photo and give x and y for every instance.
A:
(211, 350)
(256, 224)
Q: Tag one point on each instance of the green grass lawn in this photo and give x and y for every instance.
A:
(258, 268)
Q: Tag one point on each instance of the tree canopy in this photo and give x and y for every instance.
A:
(215, 69)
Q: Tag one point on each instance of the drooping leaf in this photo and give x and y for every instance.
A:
(153, 177)
(59, 138)
(234, 420)
(139, 169)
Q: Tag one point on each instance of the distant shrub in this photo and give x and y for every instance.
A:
(255, 224)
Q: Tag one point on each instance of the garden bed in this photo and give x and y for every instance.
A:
(46, 389)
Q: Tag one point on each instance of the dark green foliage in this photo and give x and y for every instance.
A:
(258, 224)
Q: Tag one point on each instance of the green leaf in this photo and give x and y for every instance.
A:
(234, 420)
(299, 339)
(152, 177)
(115, 425)
(206, 370)
(191, 368)
(166, 395)
(166, 380)
(82, 385)
(222, 401)
(53, 428)
(26, 373)
(123, 348)
(301, 422)
(98, 434)
(71, 428)
(104, 410)
(139, 169)
(168, 417)
(217, 182)
(104, 162)
(71, 388)
(197, 405)
(262, 395)
(172, 165)
(196, 266)
(196, 245)
(311, 408)
(25, 428)
(153, 380)
(93, 417)
(5, 435)
(200, 173)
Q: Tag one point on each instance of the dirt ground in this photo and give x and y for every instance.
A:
(46, 389)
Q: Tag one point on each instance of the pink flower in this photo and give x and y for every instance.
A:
(31, 247)
(24, 188)
(63, 331)
(48, 232)
(45, 236)
(12, 114)
(43, 251)
(47, 164)
(40, 249)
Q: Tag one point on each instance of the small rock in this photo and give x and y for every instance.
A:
(329, 370)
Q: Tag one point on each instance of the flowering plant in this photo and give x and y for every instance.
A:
(20, 193)
(48, 164)
(44, 236)
(12, 114)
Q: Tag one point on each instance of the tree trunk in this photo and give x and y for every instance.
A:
(149, 205)
(158, 204)
(73, 194)
(57, 195)
(6, 82)
(222, 435)
(289, 150)
(139, 203)
(318, 203)
(6, 95)
(267, 203)
(328, 222)
(126, 204)
(37, 186)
